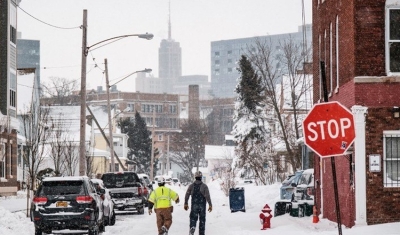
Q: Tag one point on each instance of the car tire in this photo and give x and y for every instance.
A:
(106, 220)
(93, 231)
(38, 231)
(140, 210)
(112, 219)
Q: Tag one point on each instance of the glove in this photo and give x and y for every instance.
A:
(209, 208)
(177, 200)
(150, 211)
(186, 207)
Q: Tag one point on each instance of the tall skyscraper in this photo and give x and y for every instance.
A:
(169, 57)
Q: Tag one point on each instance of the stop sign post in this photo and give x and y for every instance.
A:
(328, 129)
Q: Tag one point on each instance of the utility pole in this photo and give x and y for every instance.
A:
(168, 168)
(152, 148)
(82, 147)
(110, 127)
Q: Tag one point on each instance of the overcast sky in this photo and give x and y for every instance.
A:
(195, 23)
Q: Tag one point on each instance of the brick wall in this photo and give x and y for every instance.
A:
(362, 81)
(383, 204)
(10, 185)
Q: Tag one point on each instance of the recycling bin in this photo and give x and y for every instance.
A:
(236, 199)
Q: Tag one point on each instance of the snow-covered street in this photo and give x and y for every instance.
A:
(219, 221)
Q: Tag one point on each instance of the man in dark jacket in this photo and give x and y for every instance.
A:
(200, 195)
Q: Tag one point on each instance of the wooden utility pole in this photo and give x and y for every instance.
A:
(152, 147)
(82, 147)
(110, 126)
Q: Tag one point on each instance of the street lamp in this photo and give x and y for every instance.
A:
(110, 131)
(85, 50)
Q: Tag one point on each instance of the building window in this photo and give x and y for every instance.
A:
(2, 160)
(391, 158)
(12, 98)
(229, 61)
(217, 62)
(230, 70)
(216, 53)
(160, 137)
(229, 52)
(172, 109)
(393, 40)
(148, 108)
(131, 107)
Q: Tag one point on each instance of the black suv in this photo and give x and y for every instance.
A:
(67, 203)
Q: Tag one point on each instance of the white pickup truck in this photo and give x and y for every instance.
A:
(125, 189)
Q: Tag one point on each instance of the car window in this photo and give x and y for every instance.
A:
(305, 179)
(120, 180)
(61, 188)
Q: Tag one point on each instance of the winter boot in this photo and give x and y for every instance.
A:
(165, 230)
(191, 231)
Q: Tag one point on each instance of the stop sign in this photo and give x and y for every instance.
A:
(328, 129)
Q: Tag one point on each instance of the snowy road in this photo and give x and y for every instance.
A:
(219, 222)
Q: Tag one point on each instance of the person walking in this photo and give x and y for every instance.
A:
(200, 195)
(160, 199)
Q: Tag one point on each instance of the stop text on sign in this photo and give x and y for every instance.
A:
(333, 127)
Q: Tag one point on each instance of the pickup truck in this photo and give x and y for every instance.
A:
(125, 189)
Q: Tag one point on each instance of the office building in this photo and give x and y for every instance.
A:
(226, 53)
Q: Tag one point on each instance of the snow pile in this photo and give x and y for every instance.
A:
(14, 223)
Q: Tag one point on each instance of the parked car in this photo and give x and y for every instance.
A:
(287, 188)
(176, 181)
(147, 187)
(71, 202)
(304, 188)
(168, 179)
(126, 190)
(108, 204)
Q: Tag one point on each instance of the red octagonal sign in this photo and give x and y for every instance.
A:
(328, 129)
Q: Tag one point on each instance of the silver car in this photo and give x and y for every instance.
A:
(108, 204)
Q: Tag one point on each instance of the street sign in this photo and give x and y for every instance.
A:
(328, 129)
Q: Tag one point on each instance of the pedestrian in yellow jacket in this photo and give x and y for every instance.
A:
(160, 199)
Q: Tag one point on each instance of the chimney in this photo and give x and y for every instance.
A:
(194, 107)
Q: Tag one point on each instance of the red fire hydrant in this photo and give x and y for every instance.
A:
(265, 217)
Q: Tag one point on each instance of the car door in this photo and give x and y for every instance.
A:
(96, 196)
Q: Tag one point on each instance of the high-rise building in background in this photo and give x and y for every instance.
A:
(170, 79)
(226, 53)
(169, 57)
(28, 61)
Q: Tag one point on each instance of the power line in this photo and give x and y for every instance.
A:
(58, 27)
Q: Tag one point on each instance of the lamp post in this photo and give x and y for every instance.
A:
(85, 50)
(110, 128)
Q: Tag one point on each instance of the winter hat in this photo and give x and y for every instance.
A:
(266, 208)
(198, 174)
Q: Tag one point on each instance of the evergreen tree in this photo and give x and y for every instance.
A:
(139, 142)
(250, 119)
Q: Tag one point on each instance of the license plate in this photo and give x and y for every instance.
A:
(61, 204)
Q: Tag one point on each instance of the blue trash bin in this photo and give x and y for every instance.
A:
(236, 199)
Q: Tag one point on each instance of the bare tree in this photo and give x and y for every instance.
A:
(35, 130)
(285, 99)
(59, 88)
(187, 148)
(71, 156)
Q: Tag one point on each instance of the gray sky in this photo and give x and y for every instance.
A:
(195, 23)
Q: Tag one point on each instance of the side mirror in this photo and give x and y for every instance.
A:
(294, 185)
(102, 191)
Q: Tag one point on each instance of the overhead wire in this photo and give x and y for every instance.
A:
(58, 27)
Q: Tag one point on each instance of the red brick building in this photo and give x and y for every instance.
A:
(359, 42)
